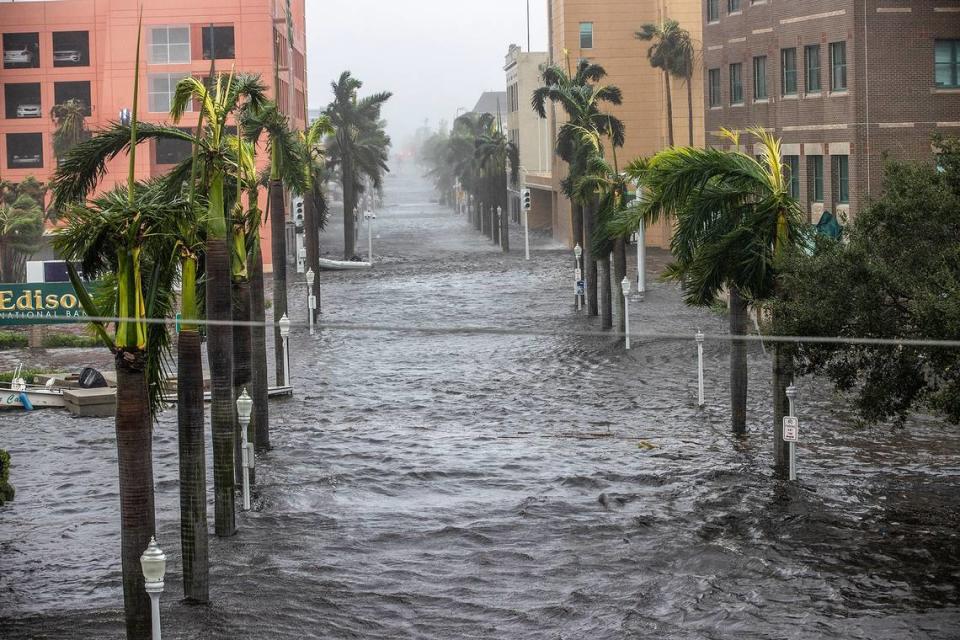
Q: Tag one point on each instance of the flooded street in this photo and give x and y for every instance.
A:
(438, 484)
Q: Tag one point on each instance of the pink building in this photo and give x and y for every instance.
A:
(84, 50)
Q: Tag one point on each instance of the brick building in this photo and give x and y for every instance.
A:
(84, 50)
(843, 83)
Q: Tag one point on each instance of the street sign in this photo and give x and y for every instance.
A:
(791, 429)
(312, 302)
(581, 287)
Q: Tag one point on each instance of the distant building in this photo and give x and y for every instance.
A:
(842, 83)
(84, 50)
(603, 32)
(494, 103)
(529, 132)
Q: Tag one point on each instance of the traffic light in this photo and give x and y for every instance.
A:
(298, 212)
(525, 200)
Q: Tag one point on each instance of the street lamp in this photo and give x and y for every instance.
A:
(369, 216)
(244, 409)
(641, 259)
(699, 338)
(311, 299)
(285, 337)
(578, 275)
(153, 563)
(625, 285)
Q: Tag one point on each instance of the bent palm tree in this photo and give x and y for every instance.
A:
(21, 235)
(499, 156)
(735, 218)
(672, 52)
(314, 205)
(71, 130)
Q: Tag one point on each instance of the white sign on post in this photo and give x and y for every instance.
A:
(791, 429)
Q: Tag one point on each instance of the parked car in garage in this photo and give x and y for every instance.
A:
(25, 160)
(17, 56)
(28, 111)
(66, 55)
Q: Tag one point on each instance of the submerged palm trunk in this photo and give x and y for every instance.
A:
(738, 362)
(690, 110)
(279, 245)
(135, 461)
(782, 377)
(666, 77)
(311, 240)
(619, 273)
(241, 365)
(589, 262)
(259, 378)
(606, 295)
(349, 205)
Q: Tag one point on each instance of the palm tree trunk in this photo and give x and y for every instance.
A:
(311, 231)
(135, 461)
(690, 110)
(738, 362)
(241, 365)
(589, 262)
(278, 226)
(505, 217)
(259, 379)
(666, 77)
(619, 273)
(349, 204)
(782, 377)
(220, 355)
(193, 468)
(606, 298)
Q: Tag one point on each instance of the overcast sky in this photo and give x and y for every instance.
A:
(434, 55)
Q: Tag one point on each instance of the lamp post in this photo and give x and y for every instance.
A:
(700, 338)
(625, 285)
(285, 337)
(153, 563)
(791, 396)
(369, 216)
(499, 232)
(244, 409)
(311, 299)
(578, 275)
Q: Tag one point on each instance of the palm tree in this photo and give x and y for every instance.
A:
(70, 117)
(314, 204)
(356, 146)
(581, 97)
(497, 155)
(735, 218)
(672, 52)
(461, 156)
(21, 235)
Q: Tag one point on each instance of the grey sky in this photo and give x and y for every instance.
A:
(434, 55)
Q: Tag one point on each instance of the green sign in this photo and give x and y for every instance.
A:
(39, 303)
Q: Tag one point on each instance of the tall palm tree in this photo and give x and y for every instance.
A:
(500, 159)
(70, 117)
(735, 218)
(672, 52)
(461, 156)
(314, 203)
(581, 97)
(21, 235)
(355, 144)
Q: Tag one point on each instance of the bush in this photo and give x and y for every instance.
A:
(6, 489)
(12, 340)
(27, 374)
(69, 340)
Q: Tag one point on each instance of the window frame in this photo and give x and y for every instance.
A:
(788, 72)
(953, 65)
(583, 33)
(169, 94)
(714, 92)
(815, 178)
(167, 28)
(734, 7)
(792, 163)
(203, 41)
(713, 11)
(807, 75)
(760, 79)
(840, 176)
(11, 138)
(736, 90)
(835, 67)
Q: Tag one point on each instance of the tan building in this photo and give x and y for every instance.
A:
(528, 131)
(603, 32)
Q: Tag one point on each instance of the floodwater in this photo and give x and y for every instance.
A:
(438, 485)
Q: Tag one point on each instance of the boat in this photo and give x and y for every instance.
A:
(272, 392)
(17, 394)
(342, 265)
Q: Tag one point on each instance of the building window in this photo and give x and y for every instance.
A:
(840, 175)
(21, 50)
(22, 100)
(169, 45)
(169, 151)
(811, 54)
(71, 49)
(586, 35)
(713, 85)
(760, 78)
(815, 177)
(79, 91)
(838, 66)
(736, 83)
(162, 86)
(947, 63)
(788, 72)
(733, 6)
(792, 170)
(220, 41)
(24, 151)
(713, 10)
